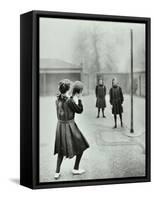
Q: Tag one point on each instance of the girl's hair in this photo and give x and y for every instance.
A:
(114, 79)
(77, 87)
(64, 86)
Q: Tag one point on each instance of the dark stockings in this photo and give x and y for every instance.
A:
(99, 112)
(115, 120)
(60, 159)
(103, 112)
(120, 115)
(77, 161)
(59, 162)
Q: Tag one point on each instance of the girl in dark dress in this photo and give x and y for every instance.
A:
(100, 92)
(69, 141)
(116, 100)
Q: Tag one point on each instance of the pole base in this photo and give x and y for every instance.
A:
(133, 134)
(132, 130)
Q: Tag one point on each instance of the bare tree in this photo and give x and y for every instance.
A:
(96, 50)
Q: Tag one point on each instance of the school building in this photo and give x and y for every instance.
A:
(53, 70)
(124, 81)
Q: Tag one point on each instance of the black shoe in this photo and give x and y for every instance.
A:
(97, 116)
(122, 125)
(104, 116)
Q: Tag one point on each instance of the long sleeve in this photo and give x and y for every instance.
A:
(77, 108)
(96, 91)
(121, 95)
(104, 90)
(111, 98)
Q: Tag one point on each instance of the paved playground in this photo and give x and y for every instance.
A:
(112, 152)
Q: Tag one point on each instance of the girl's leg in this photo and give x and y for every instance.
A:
(59, 162)
(115, 120)
(103, 112)
(120, 115)
(98, 112)
(77, 161)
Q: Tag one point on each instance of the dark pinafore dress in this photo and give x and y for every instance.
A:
(69, 140)
(100, 95)
(116, 100)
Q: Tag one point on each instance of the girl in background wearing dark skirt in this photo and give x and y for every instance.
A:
(100, 92)
(69, 140)
(116, 100)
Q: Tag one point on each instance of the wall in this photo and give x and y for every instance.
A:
(124, 82)
(49, 82)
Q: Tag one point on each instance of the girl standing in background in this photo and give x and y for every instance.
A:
(100, 92)
(116, 100)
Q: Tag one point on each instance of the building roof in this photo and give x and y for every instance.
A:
(46, 63)
(57, 65)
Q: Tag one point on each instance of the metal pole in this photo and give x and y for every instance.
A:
(131, 53)
(44, 83)
(140, 85)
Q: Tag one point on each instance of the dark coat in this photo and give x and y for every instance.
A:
(100, 92)
(116, 99)
(69, 139)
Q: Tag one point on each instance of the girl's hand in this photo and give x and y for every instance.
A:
(75, 98)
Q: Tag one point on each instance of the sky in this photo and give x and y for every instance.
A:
(58, 38)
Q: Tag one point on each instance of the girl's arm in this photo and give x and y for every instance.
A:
(110, 93)
(96, 91)
(104, 90)
(77, 108)
(121, 95)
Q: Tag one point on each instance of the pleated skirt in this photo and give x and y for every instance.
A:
(117, 108)
(69, 140)
(100, 103)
